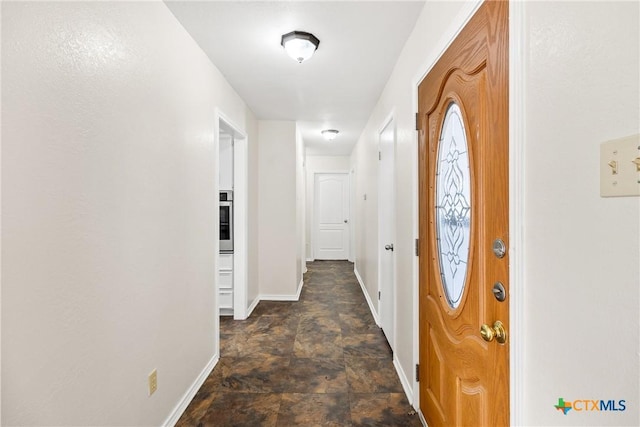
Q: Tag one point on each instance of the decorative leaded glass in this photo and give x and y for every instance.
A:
(453, 205)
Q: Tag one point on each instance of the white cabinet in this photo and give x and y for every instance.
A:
(226, 262)
(225, 284)
(226, 280)
(226, 303)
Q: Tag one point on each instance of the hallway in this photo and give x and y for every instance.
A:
(318, 361)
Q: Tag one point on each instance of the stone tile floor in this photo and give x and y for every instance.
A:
(320, 361)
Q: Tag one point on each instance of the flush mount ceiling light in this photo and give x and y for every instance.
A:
(300, 45)
(329, 134)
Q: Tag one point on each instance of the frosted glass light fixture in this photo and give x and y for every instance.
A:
(300, 45)
(330, 134)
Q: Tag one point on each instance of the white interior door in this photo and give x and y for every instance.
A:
(386, 215)
(331, 196)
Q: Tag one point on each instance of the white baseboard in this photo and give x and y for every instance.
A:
(422, 420)
(269, 297)
(310, 260)
(406, 384)
(366, 295)
(253, 306)
(300, 285)
(179, 409)
(281, 297)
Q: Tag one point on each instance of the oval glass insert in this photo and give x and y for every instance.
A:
(453, 205)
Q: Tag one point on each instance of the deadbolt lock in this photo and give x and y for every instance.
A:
(499, 292)
(499, 248)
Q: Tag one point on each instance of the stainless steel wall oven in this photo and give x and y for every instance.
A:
(226, 221)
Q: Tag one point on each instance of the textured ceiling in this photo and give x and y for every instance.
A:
(337, 88)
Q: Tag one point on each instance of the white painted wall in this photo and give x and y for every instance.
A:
(364, 159)
(318, 164)
(109, 211)
(582, 252)
(1, 274)
(278, 241)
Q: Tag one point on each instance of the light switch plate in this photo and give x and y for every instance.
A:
(619, 175)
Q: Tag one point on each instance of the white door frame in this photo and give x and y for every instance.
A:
(389, 121)
(517, 138)
(314, 211)
(517, 95)
(240, 217)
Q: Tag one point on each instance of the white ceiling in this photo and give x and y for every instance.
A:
(337, 88)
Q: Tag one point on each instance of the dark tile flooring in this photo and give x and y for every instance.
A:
(320, 361)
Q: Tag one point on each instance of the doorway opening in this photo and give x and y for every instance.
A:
(231, 288)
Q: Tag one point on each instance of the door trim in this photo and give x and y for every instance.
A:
(389, 120)
(517, 114)
(517, 138)
(240, 211)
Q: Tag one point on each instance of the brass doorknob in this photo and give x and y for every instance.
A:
(497, 332)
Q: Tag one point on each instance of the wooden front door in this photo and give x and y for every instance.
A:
(464, 212)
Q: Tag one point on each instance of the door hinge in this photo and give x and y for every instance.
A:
(417, 373)
(417, 121)
(417, 247)
(379, 155)
(378, 294)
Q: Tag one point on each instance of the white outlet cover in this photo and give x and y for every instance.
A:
(626, 182)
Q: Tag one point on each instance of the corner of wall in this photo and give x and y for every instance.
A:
(188, 396)
(277, 269)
